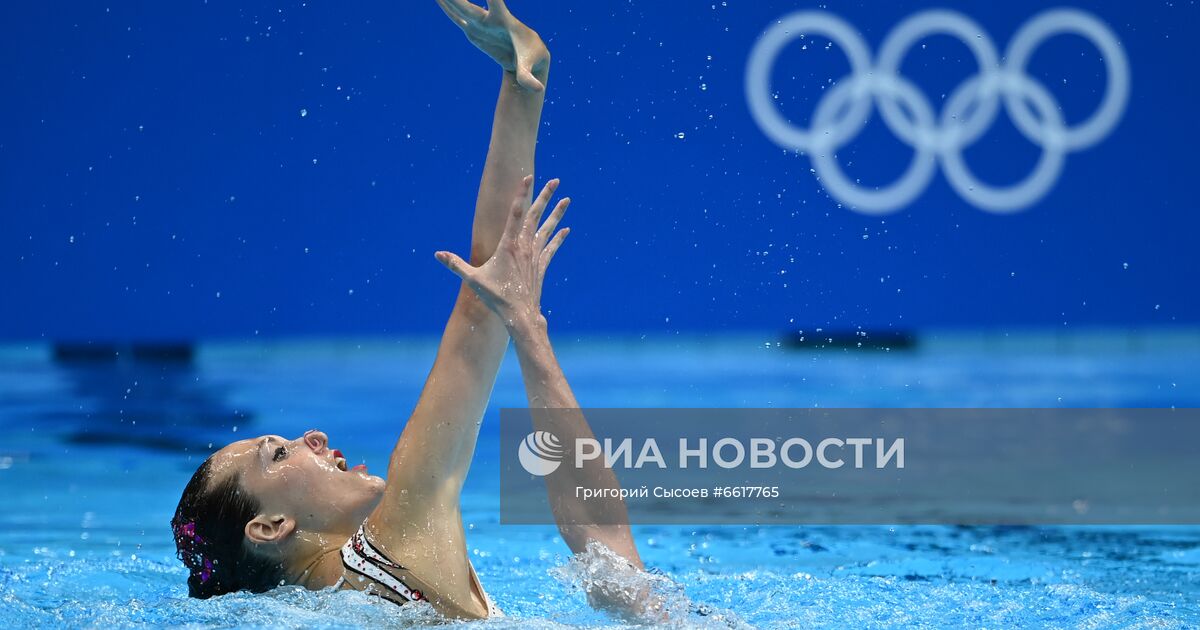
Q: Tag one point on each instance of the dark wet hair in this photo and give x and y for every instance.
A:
(209, 528)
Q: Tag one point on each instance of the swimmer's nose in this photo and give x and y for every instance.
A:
(316, 440)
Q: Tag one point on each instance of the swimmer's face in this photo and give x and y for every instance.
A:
(301, 483)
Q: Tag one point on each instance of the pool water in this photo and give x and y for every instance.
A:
(93, 457)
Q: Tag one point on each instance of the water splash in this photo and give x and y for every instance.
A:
(642, 597)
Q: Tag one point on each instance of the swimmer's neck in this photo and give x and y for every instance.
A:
(321, 570)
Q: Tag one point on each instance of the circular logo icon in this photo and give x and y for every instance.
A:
(540, 453)
(937, 137)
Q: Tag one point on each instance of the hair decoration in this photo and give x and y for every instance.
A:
(187, 544)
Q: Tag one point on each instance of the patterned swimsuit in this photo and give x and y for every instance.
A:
(376, 574)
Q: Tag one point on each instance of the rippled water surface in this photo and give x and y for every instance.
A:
(93, 457)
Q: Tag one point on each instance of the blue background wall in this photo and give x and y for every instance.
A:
(157, 178)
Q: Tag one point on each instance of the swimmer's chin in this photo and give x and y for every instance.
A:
(361, 471)
(377, 482)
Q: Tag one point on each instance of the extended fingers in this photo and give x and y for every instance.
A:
(452, 14)
(461, 11)
(551, 248)
(551, 223)
(539, 205)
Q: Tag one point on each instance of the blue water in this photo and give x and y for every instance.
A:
(93, 458)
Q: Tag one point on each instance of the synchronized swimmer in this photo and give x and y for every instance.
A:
(269, 511)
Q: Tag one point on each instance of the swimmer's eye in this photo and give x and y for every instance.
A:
(280, 453)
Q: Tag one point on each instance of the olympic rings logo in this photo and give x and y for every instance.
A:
(967, 114)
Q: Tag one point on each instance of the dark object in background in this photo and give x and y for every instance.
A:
(174, 352)
(138, 394)
(851, 339)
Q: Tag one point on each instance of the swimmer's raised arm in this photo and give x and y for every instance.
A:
(433, 455)
(510, 283)
(526, 63)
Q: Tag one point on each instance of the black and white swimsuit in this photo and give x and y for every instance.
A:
(368, 569)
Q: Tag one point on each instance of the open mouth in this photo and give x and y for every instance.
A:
(339, 460)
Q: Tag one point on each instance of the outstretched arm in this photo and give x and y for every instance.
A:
(510, 283)
(432, 457)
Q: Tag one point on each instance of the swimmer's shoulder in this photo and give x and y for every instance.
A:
(404, 576)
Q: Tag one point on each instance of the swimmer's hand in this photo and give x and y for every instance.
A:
(495, 31)
(510, 282)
